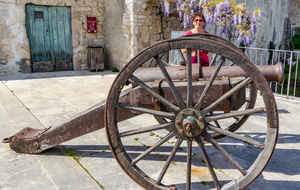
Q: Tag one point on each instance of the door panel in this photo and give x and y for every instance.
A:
(49, 29)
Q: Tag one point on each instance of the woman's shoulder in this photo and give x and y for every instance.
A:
(188, 32)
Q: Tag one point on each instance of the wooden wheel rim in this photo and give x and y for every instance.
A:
(193, 43)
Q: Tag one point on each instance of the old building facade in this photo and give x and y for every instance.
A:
(124, 27)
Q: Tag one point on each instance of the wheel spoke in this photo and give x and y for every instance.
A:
(155, 146)
(225, 153)
(236, 136)
(213, 60)
(231, 64)
(189, 164)
(208, 163)
(172, 107)
(209, 84)
(226, 95)
(234, 114)
(146, 129)
(146, 110)
(181, 55)
(169, 160)
(178, 98)
(189, 80)
(217, 124)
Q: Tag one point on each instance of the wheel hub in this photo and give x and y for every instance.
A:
(189, 122)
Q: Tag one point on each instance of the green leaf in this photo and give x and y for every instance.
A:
(151, 133)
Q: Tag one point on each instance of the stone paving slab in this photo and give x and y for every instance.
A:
(55, 97)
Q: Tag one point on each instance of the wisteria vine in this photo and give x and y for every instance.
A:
(220, 13)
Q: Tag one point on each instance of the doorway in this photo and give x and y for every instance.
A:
(50, 37)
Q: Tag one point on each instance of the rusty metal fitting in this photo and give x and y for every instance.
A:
(181, 131)
(200, 128)
(6, 140)
(36, 144)
(200, 119)
(188, 128)
(182, 114)
(177, 122)
(192, 112)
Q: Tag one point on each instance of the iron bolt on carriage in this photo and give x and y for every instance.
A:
(190, 104)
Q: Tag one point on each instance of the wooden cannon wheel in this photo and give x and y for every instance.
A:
(188, 122)
(252, 88)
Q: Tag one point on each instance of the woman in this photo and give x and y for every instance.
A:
(198, 22)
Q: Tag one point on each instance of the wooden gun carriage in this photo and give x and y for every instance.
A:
(187, 101)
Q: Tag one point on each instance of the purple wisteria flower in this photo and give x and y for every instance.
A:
(223, 14)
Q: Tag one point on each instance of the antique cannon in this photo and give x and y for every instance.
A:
(188, 102)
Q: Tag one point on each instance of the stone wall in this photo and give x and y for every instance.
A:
(14, 49)
(143, 28)
(295, 13)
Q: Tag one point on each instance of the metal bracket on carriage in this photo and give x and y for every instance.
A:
(26, 133)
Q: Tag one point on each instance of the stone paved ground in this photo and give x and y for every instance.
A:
(47, 99)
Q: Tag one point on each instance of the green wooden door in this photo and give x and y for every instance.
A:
(49, 32)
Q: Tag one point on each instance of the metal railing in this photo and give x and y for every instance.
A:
(290, 60)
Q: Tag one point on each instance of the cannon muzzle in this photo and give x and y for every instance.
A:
(272, 73)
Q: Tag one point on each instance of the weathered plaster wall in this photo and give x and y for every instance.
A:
(14, 49)
(115, 43)
(295, 12)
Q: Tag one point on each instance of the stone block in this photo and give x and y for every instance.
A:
(96, 11)
(155, 37)
(9, 1)
(100, 3)
(77, 24)
(82, 9)
(79, 3)
(91, 3)
(98, 42)
(155, 30)
(75, 37)
(90, 36)
(100, 35)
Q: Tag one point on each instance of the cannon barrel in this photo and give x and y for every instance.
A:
(272, 73)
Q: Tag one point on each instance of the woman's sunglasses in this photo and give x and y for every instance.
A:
(200, 20)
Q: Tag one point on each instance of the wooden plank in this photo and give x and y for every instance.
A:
(92, 53)
(42, 66)
(33, 33)
(54, 30)
(29, 30)
(61, 34)
(47, 45)
(39, 25)
(101, 54)
(53, 60)
(63, 65)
